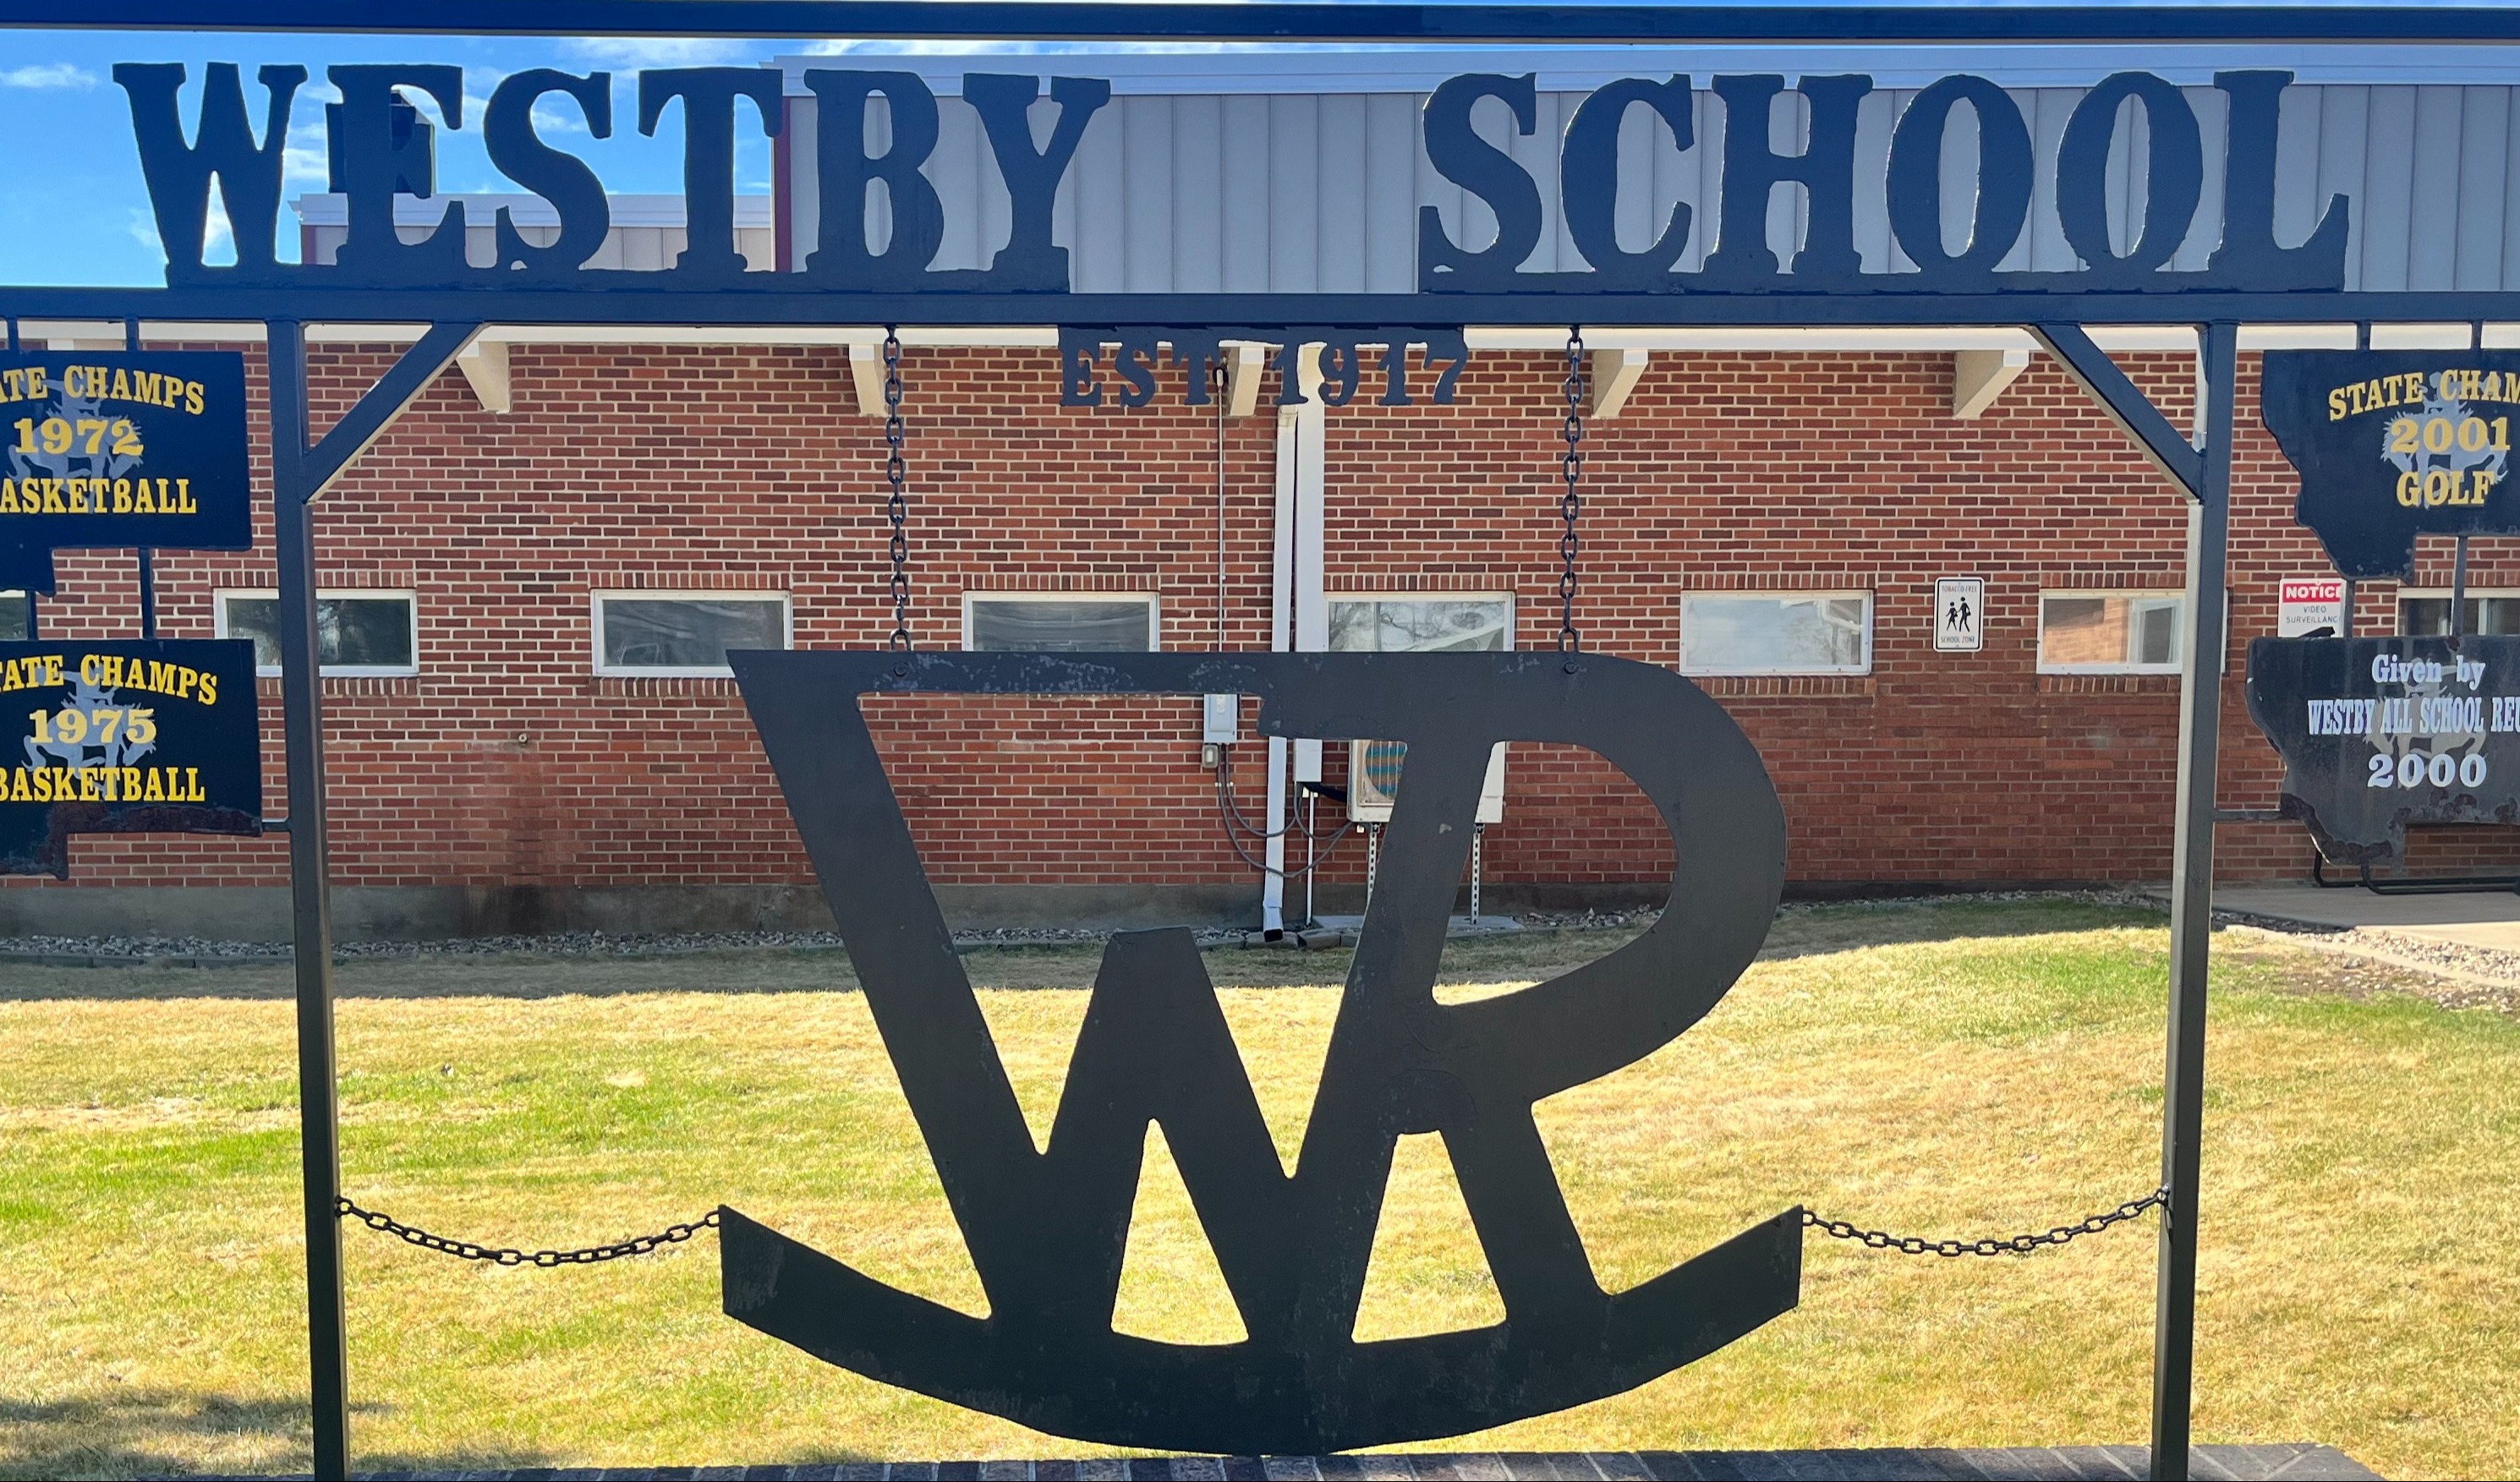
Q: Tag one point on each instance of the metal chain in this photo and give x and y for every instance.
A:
(465, 1250)
(2020, 1244)
(1571, 506)
(677, 1234)
(896, 470)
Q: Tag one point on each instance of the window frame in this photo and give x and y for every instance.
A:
(1512, 611)
(410, 600)
(973, 595)
(2398, 604)
(1861, 669)
(599, 596)
(14, 597)
(2175, 596)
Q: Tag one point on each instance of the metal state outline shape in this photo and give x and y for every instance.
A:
(1047, 1229)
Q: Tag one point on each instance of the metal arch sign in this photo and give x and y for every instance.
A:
(1047, 1229)
(383, 147)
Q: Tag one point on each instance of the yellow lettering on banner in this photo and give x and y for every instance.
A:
(193, 792)
(193, 397)
(131, 784)
(2336, 405)
(51, 670)
(156, 790)
(35, 378)
(210, 688)
(92, 671)
(90, 791)
(75, 496)
(8, 496)
(183, 500)
(145, 386)
(184, 680)
(17, 791)
(122, 495)
(53, 497)
(121, 384)
(41, 788)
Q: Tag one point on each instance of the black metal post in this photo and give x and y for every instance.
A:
(2347, 626)
(310, 898)
(2458, 589)
(2191, 914)
(31, 634)
(148, 568)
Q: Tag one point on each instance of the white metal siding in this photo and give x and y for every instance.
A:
(1320, 192)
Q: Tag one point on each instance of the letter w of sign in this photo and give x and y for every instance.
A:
(1048, 1229)
(179, 174)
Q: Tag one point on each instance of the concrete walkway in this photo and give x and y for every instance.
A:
(2490, 920)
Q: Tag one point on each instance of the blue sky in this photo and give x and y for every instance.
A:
(70, 180)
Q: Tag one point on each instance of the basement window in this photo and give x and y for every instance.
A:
(1775, 632)
(1431, 622)
(2110, 632)
(2425, 613)
(357, 632)
(13, 617)
(1060, 622)
(669, 634)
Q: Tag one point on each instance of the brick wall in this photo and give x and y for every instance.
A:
(506, 761)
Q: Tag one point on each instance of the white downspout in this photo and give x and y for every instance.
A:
(1298, 614)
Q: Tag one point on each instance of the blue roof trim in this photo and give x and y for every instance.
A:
(1204, 20)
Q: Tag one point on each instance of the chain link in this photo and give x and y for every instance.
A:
(896, 472)
(1571, 506)
(2020, 1244)
(676, 1234)
(465, 1250)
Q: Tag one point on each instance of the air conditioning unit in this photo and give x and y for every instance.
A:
(1373, 776)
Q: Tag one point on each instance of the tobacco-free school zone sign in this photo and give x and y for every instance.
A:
(144, 737)
(118, 451)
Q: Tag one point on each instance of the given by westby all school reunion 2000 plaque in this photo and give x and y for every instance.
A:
(134, 736)
(119, 451)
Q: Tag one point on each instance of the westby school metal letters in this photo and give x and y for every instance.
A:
(383, 150)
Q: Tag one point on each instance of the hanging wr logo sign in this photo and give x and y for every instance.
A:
(1047, 1228)
(381, 149)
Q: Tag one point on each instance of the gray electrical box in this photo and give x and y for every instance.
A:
(1221, 720)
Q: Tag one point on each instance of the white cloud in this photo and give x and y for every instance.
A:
(657, 51)
(143, 230)
(48, 74)
(550, 119)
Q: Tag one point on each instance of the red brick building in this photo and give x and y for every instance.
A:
(519, 735)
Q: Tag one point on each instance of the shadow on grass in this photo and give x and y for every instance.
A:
(1799, 931)
(155, 1432)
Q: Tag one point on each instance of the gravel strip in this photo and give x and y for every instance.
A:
(121, 951)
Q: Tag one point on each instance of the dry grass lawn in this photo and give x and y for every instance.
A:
(1958, 1069)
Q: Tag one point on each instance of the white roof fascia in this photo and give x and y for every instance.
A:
(1813, 340)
